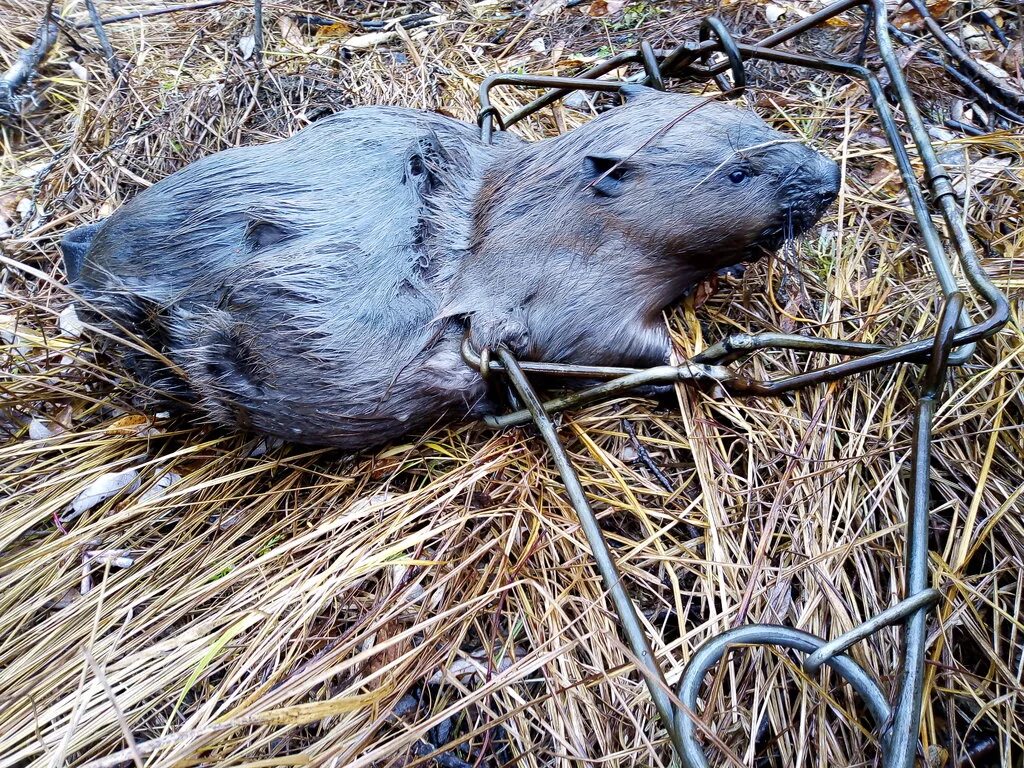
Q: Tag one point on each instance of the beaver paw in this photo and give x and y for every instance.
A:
(509, 332)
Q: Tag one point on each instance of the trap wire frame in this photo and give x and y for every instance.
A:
(897, 722)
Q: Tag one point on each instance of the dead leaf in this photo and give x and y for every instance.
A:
(910, 17)
(840, 21)
(773, 12)
(996, 72)
(79, 71)
(545, 7)
(705, 290)
(370, 39)
(556, 52)
(43, 429)
(476, 665)
(388, 653)
(129, 425)
(246, 45)
(32, 170)
(882, 172)
(606, 7)
(980, 171)
(69, 323)
(974, 38)
(484, 8)
(156, 490)
(102, 488)
(291, 34)
(337, 31)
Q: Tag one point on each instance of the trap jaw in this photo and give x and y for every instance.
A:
(897, 722)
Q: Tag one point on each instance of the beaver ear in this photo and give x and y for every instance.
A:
(260, 233)
(632, 92)
(606, 173)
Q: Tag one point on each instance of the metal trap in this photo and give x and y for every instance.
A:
(953, 342)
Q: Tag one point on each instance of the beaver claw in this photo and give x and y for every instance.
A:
(508, 332)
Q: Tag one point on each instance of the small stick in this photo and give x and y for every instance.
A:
(108, 49)
(645, 457)
(989, 22)
(26, 63)
(153, 12)
(1008, 96)
(969, 85)
(257, 31)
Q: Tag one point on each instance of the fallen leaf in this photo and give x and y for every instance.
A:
(69, 323)
(263, 447)
(705, 290)
(369, 40)
(909, 17)
(129, 425)
(79, 71)
(338, 31)
(290, 33)
(606, 7)
(556, 51)
(996, 72)
(246, 45)
(774, 12)
(974, 38)
(981, 171)
(40, 429)
(476, 664)
(156, 490)
(102, 488)
(484, 8)
(579, 100)
(545, 7)
(840, 21)
(31, 170)
(389, 651)
(882, 172)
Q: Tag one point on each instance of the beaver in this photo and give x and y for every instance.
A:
(319, 288)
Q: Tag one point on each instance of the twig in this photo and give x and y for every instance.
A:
(152, 12)
(988, 21)
(25, 66)
(108, 50)
(257, 31)
(645, 457)
(963, 80)
(1009, 97)
(862, 45)
(958, 125)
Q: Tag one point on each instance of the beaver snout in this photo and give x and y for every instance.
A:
(810, 191)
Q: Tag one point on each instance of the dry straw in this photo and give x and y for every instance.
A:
(232, 603)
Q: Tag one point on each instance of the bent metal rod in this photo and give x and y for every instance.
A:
(897, 722)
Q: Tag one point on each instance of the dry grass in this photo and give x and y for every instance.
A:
(273, 605)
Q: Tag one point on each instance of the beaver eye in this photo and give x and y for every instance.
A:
(738, 175)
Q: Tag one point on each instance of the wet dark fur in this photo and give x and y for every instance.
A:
(318, 288)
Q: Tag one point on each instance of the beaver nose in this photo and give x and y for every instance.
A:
(828, 185)
(831, 176)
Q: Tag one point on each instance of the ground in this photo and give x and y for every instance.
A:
(177, 595)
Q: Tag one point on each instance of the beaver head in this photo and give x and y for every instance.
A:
(696, 181)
